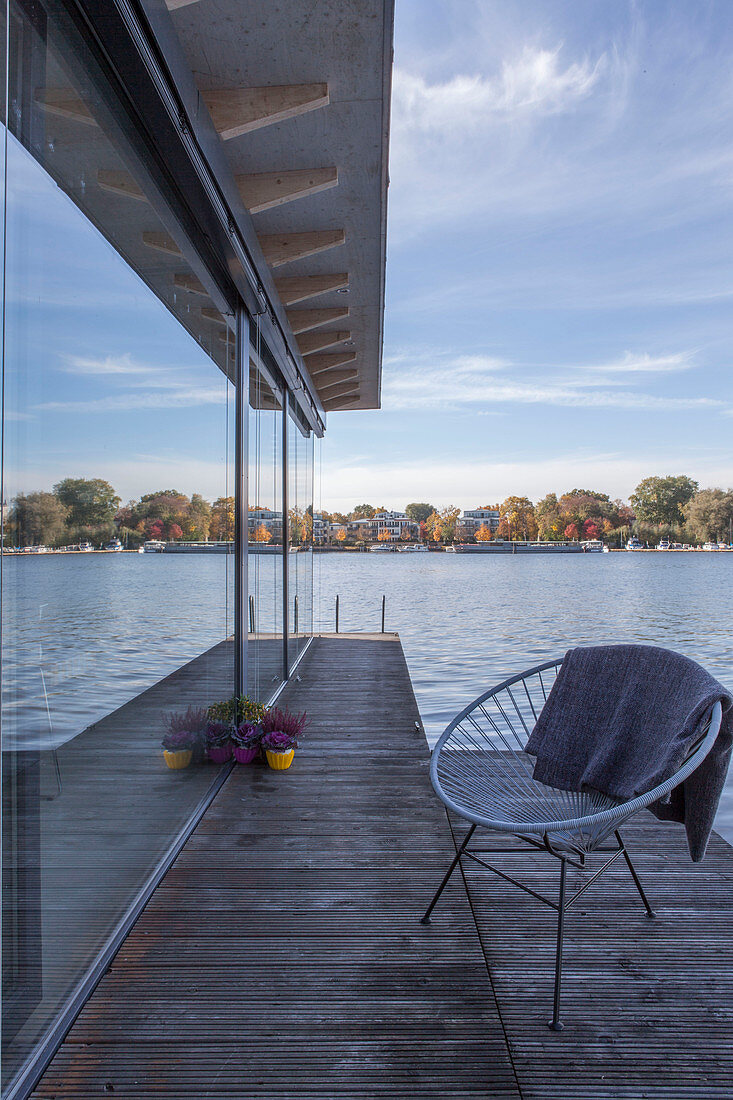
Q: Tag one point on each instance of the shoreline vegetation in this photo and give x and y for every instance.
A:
(89, 512)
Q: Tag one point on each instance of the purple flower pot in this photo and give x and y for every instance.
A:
(246, 756)
(220, 756)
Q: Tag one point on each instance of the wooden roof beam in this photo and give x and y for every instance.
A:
(301, 287)
(213, 315)
(237, 111)
(120, 182)
(317, 364)
(191, 284)
(285, 248)
(336, 376)
(341, 403)
(163, 242)
(173, 5)
(64, 103)
(264, 190)
(344, 390)
(303, 320)
(318, 341)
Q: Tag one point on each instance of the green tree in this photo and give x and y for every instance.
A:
(363, 511)
(709, 514)
(90, 503)
(662, 499)
(419, 512)
(38, 519)
(549, 521)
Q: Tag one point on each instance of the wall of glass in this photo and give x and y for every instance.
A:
(265, 655)
(118, 444)
(300, 525)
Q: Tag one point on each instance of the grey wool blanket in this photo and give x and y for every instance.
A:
(621, 719)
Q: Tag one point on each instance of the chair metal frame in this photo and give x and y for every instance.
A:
(478, 767)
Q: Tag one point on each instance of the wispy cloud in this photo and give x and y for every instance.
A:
(475, 382)
(181, 398)
(534, 82)
(468, 483)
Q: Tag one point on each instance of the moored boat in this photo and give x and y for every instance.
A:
(114, 544)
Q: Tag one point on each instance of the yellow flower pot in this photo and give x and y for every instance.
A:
(180, 759)
(280, 760)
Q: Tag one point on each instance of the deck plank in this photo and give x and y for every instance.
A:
(282, 955)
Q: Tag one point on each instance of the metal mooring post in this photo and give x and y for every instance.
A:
(295, 615)
(337, 614)
(384, 605)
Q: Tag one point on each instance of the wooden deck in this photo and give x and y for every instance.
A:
(282, 957)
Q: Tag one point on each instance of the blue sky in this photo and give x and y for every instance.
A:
(559, 278)
(559, 274)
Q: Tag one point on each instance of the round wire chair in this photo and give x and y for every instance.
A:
(480, 770)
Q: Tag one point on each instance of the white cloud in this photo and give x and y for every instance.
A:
(445, 382)
(182, 398)
(534, 82)
(469, 483)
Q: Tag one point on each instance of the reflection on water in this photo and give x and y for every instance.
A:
(467, 622)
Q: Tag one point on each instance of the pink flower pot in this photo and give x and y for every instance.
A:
(246, 756)
(220, 756)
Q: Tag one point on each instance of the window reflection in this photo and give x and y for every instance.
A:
(118, 438)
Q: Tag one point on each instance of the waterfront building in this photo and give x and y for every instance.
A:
(470, 521)
(395, 525)
(195, 211)
(320, 529)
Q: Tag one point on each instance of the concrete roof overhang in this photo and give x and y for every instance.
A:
(290, 101)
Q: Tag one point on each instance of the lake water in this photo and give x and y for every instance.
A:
(102, 628)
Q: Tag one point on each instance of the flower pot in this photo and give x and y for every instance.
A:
(220, 755)
(246, 756)
(179, 759)
(280, 760)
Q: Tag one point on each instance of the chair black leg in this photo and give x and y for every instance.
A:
(555, 1023)
(426, 918)
(649, 911)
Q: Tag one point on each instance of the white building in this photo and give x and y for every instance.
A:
(469, 523)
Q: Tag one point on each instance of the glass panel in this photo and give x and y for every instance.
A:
(265, 534)
(118, 438)
(300, 520)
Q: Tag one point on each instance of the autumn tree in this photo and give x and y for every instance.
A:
(262, 534)
(483, 534)
(517, 518)
(709, 514)
(661, 500)
(384, 535)
(37, 519)
(222, 519)
(441, 525)
(341, 534)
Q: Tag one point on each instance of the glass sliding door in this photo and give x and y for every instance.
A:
(300, 527)
(117, 507)
(265, 533)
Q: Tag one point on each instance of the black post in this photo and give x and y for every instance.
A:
(251, 614)
(337, 614)
(295, 615)
(384, 604)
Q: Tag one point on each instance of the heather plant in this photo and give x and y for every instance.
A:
(247, 735)
(236, 710)
(284, 721)
(185, 730)
(279, 741)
